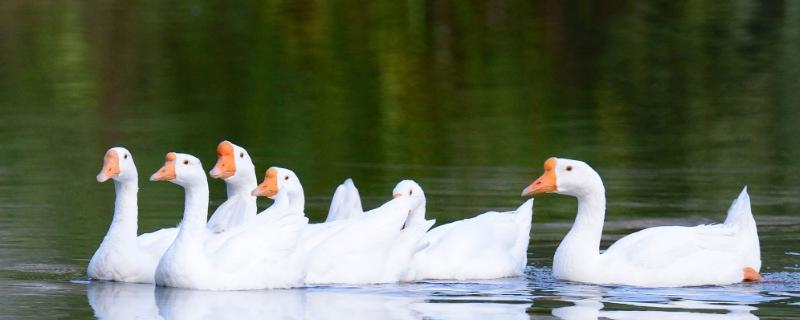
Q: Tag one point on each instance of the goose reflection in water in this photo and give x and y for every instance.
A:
(114, 300)
(120, 300)
(709, 303)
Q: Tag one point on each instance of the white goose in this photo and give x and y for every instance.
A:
(284, 187)
(254, 256)
(124, 256)
(667, 256)
(372, 248)
(490, 245)
(235, 167)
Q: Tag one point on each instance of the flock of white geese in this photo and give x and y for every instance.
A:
(238, 248)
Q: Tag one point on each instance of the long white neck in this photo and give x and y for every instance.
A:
(297, 200)
(416, 217)
(279, 206)
(242, 185)
(195, 210)
(579, 252)
(124, 223)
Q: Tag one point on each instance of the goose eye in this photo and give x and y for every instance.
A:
(241, 155)
(286, 178)
(410, 192)
(125, 156)
(185, 161)
(569, 168)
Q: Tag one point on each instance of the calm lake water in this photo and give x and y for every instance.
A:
(677, 105)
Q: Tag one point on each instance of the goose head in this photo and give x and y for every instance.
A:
(278, 180)
(407, 188)
(118, 165)
(233, 163)
(181, 169)
(410, 188)
(565, 176)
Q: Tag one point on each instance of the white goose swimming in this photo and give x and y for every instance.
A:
(283, 186)
(235, 167)
(490, 245)
(124, 256)
(253, 256)
(371, 248)
(667, 256)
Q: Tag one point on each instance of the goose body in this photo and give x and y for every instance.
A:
(668, 256)
(490, 245)
(122, 255)
(252, 256)
(374, 248)
(368, 247)
(345, 208)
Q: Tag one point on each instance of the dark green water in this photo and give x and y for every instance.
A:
(678, 105)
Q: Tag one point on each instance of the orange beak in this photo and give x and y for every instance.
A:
(546, 183)
(397, 195)
(110, 166)
(268, 188)
(167, 172)
(226, 164)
